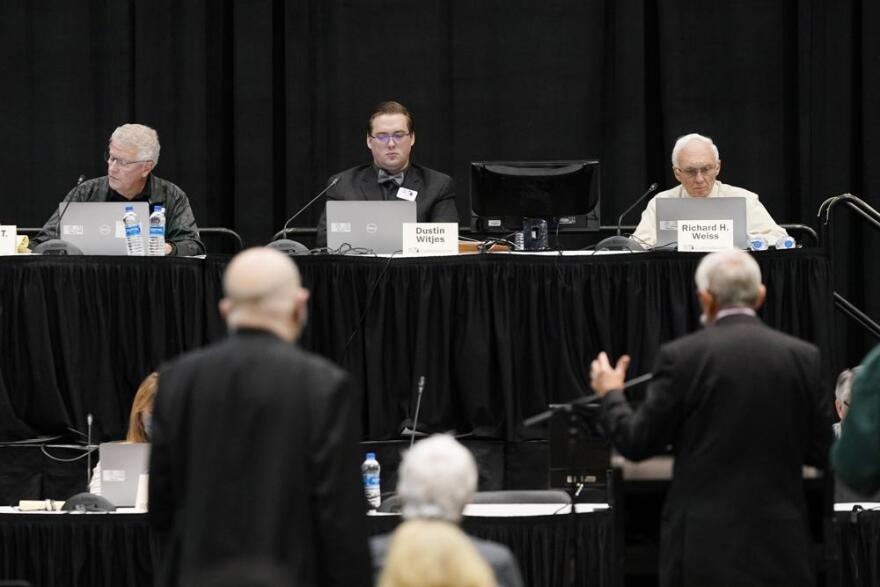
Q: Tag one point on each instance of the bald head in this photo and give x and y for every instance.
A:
(262, 290)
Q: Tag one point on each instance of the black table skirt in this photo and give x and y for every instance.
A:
(99, 550)
(497, 337)
(858, 535)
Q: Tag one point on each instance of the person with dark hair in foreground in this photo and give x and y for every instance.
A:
(743, 409)
(392, 176)
(255, 458)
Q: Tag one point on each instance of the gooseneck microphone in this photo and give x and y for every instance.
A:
(582, 401)
(412, 438)
(292, 247)
(88, 451)
(651, 189)
(67, 200)
(619, 242)
(304, 208)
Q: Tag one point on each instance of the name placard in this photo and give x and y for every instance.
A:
(7, 239)
(430, 238)
(705, 235)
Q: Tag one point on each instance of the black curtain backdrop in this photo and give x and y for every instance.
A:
(258, 102)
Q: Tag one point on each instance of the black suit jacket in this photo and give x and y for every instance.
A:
(255, 463)
(742, 407)
(435, 201)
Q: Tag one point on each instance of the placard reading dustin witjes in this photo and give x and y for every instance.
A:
(430, 238)
(705, 235)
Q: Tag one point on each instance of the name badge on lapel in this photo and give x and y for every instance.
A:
(407, 194)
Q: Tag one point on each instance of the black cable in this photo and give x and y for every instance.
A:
(366, 305)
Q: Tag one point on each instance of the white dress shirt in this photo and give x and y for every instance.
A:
(760, 221)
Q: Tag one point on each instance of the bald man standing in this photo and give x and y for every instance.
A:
(255, 459)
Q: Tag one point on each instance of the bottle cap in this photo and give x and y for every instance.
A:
(371, 456)
(785, 242)
(758, 243)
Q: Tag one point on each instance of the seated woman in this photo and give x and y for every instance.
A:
(140, 422)
(433, 553)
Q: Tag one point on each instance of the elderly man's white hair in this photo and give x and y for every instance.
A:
(684, 140)
(732, 277)
(143, 138)
(260, 284)
(843, 388)
(436, 479)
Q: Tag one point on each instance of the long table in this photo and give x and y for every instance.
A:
(112, 550)
(97, 550)
(497, 337)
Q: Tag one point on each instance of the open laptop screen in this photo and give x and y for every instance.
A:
(374, 226)
(671, 210)
(97, 227)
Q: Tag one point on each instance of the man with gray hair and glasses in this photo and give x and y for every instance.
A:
(696, 165)
(436, 479)
(742, 407)
(132, 153)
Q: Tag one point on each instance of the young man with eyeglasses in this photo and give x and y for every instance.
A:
(392, 175)
(132, 153)
(696, 164)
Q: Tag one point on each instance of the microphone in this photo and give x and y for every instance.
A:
(622, 243)
(286, 245)
(651, 189)
(412, 438)
(89, 451)
(581, 401)
(67, 199)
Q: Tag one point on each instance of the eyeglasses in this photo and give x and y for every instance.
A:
(695, 171)
(384, 137)
(110, 159)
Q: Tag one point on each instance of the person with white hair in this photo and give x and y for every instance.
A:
(132, 154)
(255, 456)
(696, 165)
(436, 479)
(743, 409)
(843, 395)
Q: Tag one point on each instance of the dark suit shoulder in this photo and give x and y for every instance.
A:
(430, 175)
(739, 330)
(260, 349)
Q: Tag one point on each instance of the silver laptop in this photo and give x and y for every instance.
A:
(97, 227)
(374, 226)
(670, 210)
(121, 466)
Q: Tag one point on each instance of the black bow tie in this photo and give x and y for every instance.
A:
(385, 177)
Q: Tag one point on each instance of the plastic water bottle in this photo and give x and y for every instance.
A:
(370, 471)
(156, 245)
(758, 243)
(785, 242)
(134, 240)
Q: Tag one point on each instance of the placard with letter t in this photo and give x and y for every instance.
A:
(430, 238)
(705, 235)
(7, 239)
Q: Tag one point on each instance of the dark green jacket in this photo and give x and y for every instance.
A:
(180, 225)
(856, 456)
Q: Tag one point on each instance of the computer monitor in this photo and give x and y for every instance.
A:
(504, 193)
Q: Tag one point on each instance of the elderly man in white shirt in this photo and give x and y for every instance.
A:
(696, 164)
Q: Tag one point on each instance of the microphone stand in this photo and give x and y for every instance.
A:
(581, 401)
(619, 242)
(287, 245)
